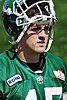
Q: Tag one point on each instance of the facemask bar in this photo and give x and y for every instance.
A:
(23, 12)
(50, 40)
(27, 8)
(36, 19)
(23, 15)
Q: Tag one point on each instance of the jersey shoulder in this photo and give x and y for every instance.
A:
(3, 64)
(3, 57)
(6, 65)
(5, 61)
(56, 61)
(54, 58)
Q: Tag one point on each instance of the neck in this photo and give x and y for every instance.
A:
(28, 56)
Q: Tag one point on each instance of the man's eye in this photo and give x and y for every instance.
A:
(46, 28)
(36, 29)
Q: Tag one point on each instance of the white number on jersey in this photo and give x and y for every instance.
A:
(49, 92)
(31, 95)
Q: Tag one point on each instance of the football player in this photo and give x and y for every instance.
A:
(27, 70)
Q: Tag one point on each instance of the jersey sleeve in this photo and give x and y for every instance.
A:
(65, 76)
(59, 64)
(65, 70)
(2, 78)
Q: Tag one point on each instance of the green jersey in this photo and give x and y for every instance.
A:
(19, 82)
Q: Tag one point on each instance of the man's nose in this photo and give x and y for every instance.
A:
(42, 32)
(41, 35)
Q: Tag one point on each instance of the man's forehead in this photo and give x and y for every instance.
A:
(39, 25)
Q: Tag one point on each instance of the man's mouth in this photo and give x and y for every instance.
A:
(41, 43)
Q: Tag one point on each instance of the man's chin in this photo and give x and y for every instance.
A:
(41, 51)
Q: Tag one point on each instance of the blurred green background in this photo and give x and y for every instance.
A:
(59, 47)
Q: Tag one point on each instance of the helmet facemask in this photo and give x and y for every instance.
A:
(43, 14)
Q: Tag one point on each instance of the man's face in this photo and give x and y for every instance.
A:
(36, 38)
